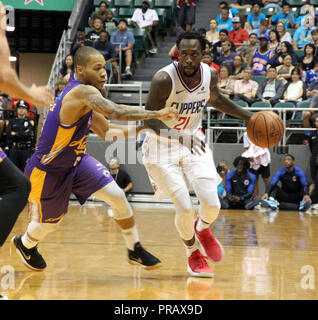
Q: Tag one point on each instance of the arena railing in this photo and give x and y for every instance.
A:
(241, 129)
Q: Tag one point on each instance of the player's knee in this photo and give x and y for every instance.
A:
(184, 223)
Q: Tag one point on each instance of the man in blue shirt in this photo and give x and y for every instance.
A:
(301, 37)
(285, 17)
(293, 193)
(127, 40)
(232, 11)
(224, 21)
(239, 186)
(254, 19)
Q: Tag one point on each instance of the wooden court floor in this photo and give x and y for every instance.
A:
(266, 257)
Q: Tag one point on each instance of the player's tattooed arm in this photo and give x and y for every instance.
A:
(222, 103)
(111, 131)
(93, 100)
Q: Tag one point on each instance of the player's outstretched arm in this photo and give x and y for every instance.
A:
(112, 131)
(9, 82)
(222, 103)
(93, 100)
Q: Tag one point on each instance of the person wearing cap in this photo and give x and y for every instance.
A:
(19, 136)
(238, 35)
(145, 18)
(260, 57)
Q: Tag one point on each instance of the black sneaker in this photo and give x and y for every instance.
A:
(30, 257)
(142, 257)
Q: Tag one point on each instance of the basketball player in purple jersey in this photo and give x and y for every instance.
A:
(183, 159)
(14, 186)
(60, 165)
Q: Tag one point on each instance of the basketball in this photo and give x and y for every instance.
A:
(265, 129)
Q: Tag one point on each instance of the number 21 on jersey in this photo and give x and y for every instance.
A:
(182, 121)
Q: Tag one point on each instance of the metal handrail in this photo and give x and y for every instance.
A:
(280, 110)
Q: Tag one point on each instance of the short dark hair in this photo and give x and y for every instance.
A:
(104, 3)
(83, 55)
(245, 161)
(123, 20)
(191, 35)
(289, 155)
(253, 34)
(224, 31)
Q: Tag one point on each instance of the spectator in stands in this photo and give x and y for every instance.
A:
(80, 41)
(148, 19)
(60, 85)
(283, 34)
(239, 187)
(224, 21)
(237, 68)
(259, 58)
(260, 160)
(247, 49)
(110, 22)
(271, 89)
(101, 12)
(67, 70)
(232, 11)
(263, 30)
(285, 49)
(274, 41)
(217, 47)
(19, 136)
(254, 19)
(314, 41)
(173, 53)
(107, 49)
(272, 3)
(238, 35)
(98, 26)
(213, 34)
(242, 4)
(285, 17)
(308, 61)
(313, 145)
(293, 193)
(309, 116)
(222, 170)
(302, 35)
(306, 10)
(208, 59)
(246, 88)
(127, 39)
(227, 56)
(226, 84)
(295, 89)
(284, 71)
(311, 76)
(186, 13)
(120, 176)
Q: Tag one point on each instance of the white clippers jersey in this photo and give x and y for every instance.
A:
(189, 103)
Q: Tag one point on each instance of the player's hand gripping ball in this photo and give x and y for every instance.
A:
(265, 129)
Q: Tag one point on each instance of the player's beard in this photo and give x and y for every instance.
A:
(191, 74)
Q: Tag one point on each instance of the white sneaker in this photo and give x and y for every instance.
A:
(153, 50)
(128, 72)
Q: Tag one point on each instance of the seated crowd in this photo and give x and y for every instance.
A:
(271, 59)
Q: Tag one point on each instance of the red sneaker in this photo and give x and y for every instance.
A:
(198, 267)
(211, 247)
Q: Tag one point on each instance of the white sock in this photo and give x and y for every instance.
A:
(27, 242)
(127, 68)
(131, 237)
(201, 225)
(191, 249)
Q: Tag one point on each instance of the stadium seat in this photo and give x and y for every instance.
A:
(295, 11)
(114, 10)
(162, 14)
(270, 11)
(314, 2)
(242, 104)
(295, 3)
(123, 3)
(300, 53)
(169, 5)
(137, 3)
(261, 104)
(125, 12)
(258, 79)
(141, 41)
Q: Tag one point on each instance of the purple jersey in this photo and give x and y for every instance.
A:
(61, 146)
(2, 155)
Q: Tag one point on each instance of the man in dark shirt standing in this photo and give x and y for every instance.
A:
(293, 194)
(239, 186)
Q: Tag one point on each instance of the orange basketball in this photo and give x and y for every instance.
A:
(265, 129)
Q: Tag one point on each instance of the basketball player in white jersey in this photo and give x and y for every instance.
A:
(181, 161)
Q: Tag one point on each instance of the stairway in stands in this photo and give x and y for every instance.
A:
(205, 11)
